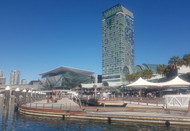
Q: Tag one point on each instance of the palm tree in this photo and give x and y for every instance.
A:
(134, 76)
(167, 71)
(130, 77)
(181, 62)
(173, 62)
(138, 74)
(161, 69)
(147, 74)
(186, 60)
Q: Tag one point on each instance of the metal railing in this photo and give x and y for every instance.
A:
(50, 106)
(177, 100)
(154, 101)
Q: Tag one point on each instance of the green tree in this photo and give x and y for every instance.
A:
(146, 74)
(174, 61)
(138, 74)
(186, 60)
(161, 69)
(181, 62)
(131, 77)
(167, 71)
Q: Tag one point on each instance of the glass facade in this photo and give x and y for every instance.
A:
(142, 67)
(117, 44)
(65, 78)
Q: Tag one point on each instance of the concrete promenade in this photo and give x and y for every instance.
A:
(66, 109)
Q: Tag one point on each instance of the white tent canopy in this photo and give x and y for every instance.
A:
(143, 83)
(176, 82)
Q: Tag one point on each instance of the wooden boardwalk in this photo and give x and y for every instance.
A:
(66, 109)
(63, 104)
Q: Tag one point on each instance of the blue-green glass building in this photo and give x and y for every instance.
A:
(65, 78)
(118, 58)
(152, 67)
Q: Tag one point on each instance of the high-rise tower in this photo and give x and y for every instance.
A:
(2, 79)
(15, 77)
(118, 58)
(23, 82)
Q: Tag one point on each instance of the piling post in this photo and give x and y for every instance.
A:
(80, 103)
(7, 95)
(29, 95)
(17, 92)
(109, 120)
(189, 107)
(25, 95)
(48, 99)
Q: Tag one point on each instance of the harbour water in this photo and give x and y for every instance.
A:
(11, 120)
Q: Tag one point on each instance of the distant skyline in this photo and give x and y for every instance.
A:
(38, 36)
(15, 77)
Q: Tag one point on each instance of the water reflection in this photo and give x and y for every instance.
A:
(12, 121)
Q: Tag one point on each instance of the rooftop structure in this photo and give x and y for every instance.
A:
(65, 77)
(62, 69)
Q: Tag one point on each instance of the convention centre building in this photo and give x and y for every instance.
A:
(65, 78)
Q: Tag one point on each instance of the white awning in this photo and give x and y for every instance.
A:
(141, 83)
(176, 82)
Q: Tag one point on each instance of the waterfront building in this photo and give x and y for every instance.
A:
(118, 57)
(65, 77)
(15, 77)
(23, 82)
(2, 79)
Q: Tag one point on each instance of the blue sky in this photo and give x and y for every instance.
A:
(39, 35)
